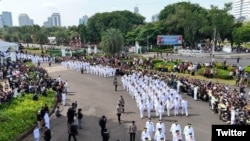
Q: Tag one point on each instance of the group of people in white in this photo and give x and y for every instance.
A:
(98, 70)
(160, 132)
(34, 58)
(154, 94)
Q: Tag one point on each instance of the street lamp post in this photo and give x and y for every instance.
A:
(214, 40)
(147, 43)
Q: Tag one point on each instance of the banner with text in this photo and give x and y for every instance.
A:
(169, 40)
(230, 132)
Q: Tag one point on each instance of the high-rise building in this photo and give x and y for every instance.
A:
(54, 20)
(25, 20)
(7, 19)
(136, 10)
(155, 18)
(242, 9)
(48, 23)
(83, 20)
(1, 21)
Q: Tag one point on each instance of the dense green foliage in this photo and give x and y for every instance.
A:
(194, 22)
(112, 41)
(20, 115)
(222, 72)
(247, 69)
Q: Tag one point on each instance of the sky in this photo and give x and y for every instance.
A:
(72, 10)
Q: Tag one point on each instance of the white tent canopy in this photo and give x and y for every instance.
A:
(4, 46)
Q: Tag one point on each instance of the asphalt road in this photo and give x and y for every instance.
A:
(205, 57)
(96, 96)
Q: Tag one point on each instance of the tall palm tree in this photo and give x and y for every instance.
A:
(112, 41)
(41, 38)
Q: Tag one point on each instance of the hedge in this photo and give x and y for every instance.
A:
(167, 66)
(32, 48)
(247, 69)
(227, 67)
(156, 61)
(221, 73)
(20, 115)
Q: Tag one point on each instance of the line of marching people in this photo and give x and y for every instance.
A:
(159, 130)
(154, 94)
(98, 70)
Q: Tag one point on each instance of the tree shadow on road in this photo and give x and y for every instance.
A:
(128, 113)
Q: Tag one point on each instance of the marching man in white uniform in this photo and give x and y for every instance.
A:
(184, 105)
(168, 106)
(150, 127)
(161, 125)
(145, 135)
(177, 136)
(175, 127)
(149, 105)
(176, 106)
(191, 137)
(160, 109)
(188, 129)
(159, 135)
(141, 107)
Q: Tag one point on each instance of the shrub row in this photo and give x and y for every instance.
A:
(20, 115)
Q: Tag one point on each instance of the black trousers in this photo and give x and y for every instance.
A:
(132, 136)
(74, 136)
(115, 87)
(119, 117)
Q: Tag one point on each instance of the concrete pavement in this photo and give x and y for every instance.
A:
(96, 96)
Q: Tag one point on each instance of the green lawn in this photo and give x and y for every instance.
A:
(20, 115)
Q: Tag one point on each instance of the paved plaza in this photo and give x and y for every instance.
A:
(96, 96)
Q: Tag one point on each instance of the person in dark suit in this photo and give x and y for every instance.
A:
(105, 135)
(47, 134)
(115, 83)
(72, 131)
(102, 123)
(70, 115)
(81, 70)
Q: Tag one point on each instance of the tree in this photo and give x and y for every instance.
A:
(41, 38)
(112, 41)
(185, 19)
(83, 33)
(62, 37)
(221, 23)
(122, 20)
(241, 34)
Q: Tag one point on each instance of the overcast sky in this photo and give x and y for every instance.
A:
(72, 10)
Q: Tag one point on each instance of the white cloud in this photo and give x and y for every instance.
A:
(49, 6)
